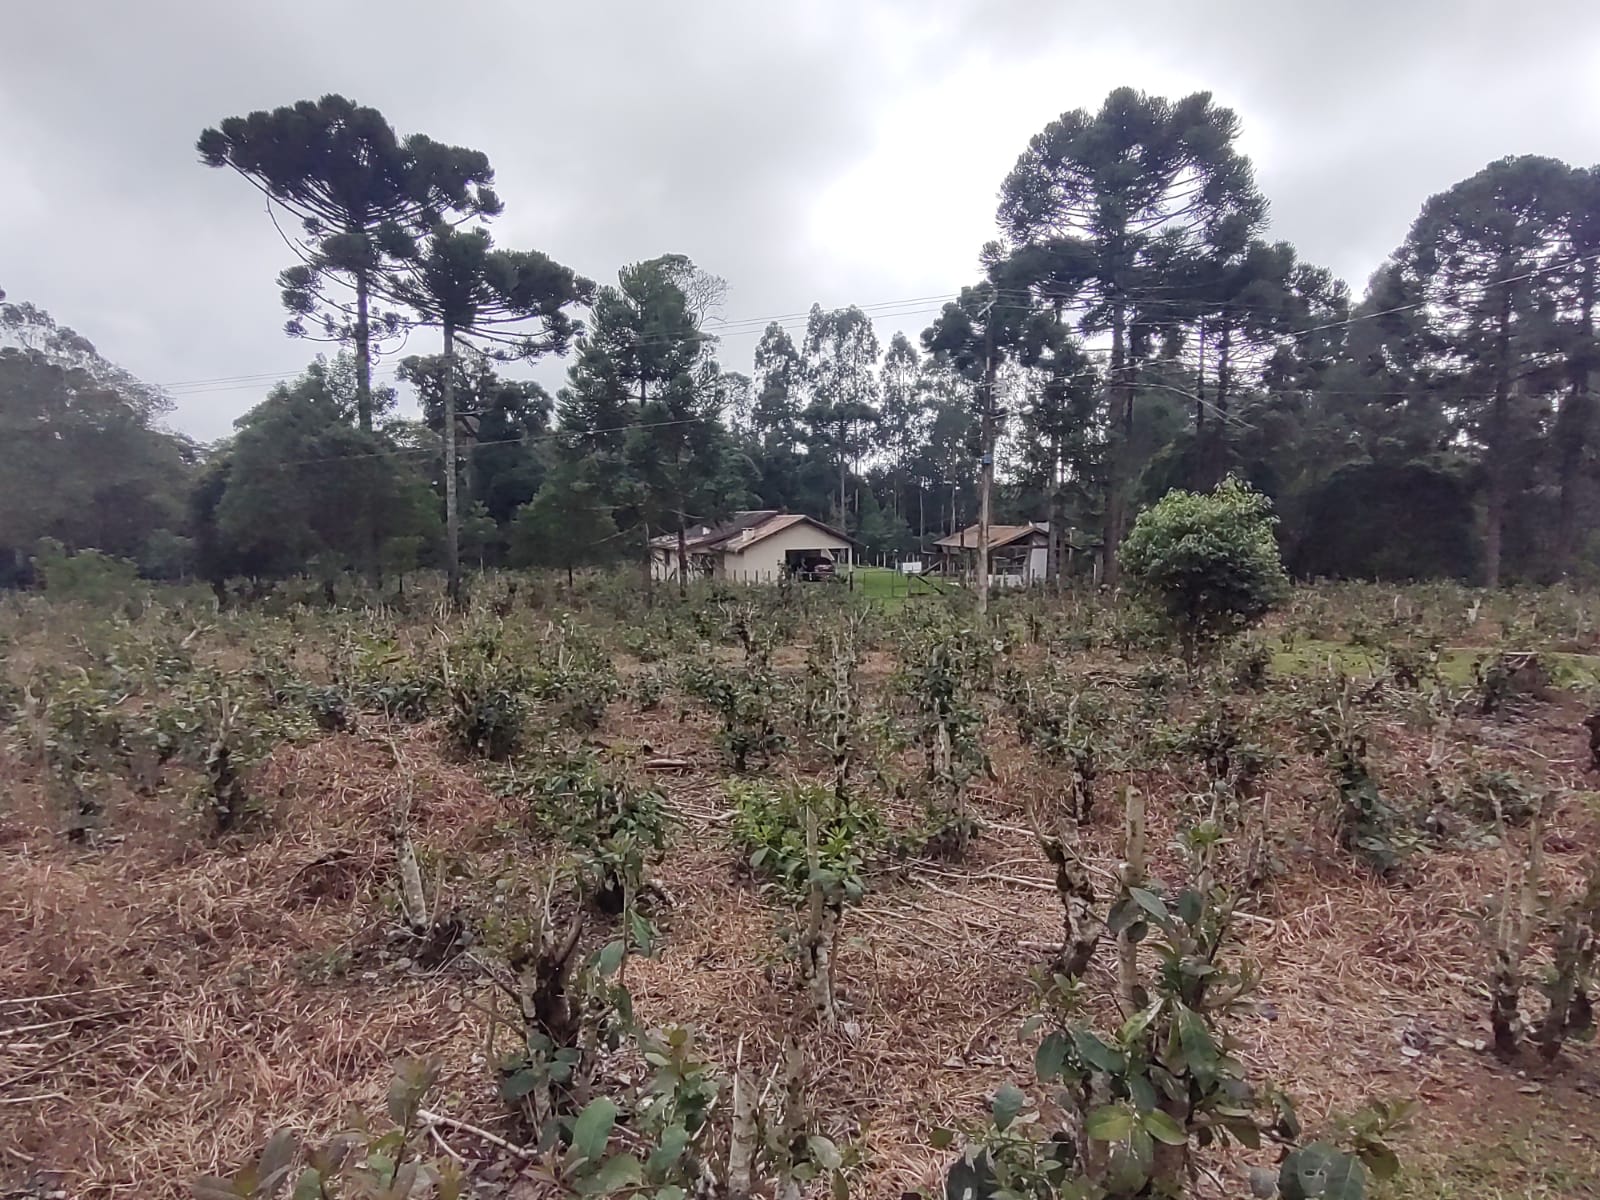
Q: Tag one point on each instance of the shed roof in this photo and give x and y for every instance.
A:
(999, 535)
(743, 530)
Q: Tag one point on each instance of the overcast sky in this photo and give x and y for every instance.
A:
(845, 151)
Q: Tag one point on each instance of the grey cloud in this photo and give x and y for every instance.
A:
(626, 129)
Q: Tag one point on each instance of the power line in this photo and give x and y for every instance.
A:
(903, 307)
(224, 383)
(542, 435)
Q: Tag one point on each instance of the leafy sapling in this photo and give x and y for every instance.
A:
(1206, 564)
(809, 847)
(362, 1162)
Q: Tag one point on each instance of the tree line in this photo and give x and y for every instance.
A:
(1130, 329)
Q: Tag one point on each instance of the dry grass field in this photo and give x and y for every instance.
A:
(178, 981)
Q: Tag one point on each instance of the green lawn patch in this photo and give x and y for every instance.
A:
(888, 586)
(1311, 656)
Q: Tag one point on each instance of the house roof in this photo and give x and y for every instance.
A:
(999, 536)
(743, 530)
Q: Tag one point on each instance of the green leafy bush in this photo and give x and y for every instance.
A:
(745, 698)
(378, 675)
(578, 681)
(811, 844)
(1065, 726)
(769, 828)
(360, 1162)
(943, 665)
(88, 575)
(649, 687)
(1206, 564)
(618, 827)
(488, 697)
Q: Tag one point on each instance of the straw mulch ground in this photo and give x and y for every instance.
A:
(166, 1001)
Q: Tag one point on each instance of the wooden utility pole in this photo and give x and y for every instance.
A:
(986, 463)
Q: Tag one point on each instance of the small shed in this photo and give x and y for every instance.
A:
(1017, 553)
(755, 546)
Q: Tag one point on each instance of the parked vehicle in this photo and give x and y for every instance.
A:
(817, 568)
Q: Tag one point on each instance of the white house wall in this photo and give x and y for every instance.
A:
(764, 561)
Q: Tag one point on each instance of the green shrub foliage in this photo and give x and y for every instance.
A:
(1206, 564)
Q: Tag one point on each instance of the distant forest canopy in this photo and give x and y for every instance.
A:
(1128, 331)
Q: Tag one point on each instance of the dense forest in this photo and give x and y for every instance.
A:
(1129, 329)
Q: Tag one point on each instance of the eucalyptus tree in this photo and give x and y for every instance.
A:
(985, 325)
(736, 392)
(775, 414)
(1141, 174)
(905, 414)
(839, 360)
(944, 463)
(1060, 446)
(515, 301)
(360, 196)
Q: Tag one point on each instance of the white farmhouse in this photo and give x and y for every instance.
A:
(757, 546)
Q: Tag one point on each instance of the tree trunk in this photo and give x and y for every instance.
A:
(1117, 451)
(961, 540)
(1082, 927)
(843, 471)
(363, 352)
(1569, 1004)
(1494, 514)
(469, 473)
(742, 1138)
(649, 554)
(1057, 570)
(363, 356)
(1216, 443)
(1572, 428)
(1496, 452)
(452, 517)
(1520, 908)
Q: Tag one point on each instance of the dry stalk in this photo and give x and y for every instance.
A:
(494, 1139)
(1082, 927)
(791, 1118)
(1131, 874)
(1577, 943)
(742, 1133)
(1516, 928)
(816, 940)
(413, 900)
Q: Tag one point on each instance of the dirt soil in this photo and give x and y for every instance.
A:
(166, 1000)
